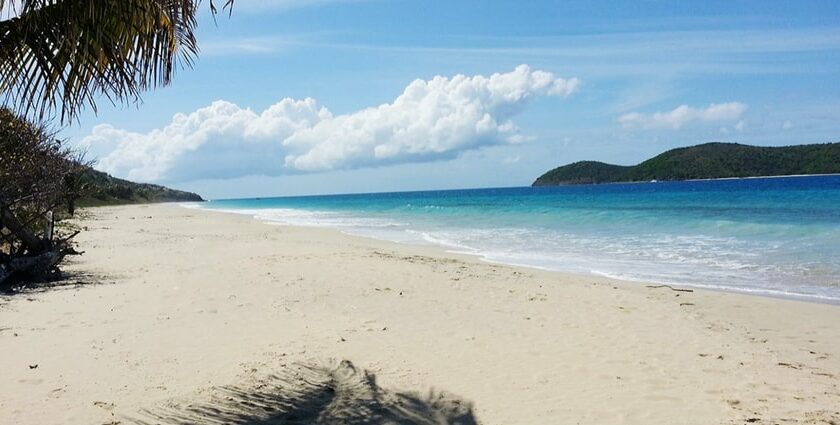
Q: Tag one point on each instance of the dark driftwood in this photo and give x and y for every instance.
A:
(22, 232)
(37, 266)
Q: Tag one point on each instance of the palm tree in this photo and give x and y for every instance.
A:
(62, 55)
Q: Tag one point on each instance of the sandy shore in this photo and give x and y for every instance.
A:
(187, 301)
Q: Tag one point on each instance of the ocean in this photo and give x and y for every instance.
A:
(776, 236)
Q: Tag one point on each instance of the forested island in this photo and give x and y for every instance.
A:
(706, 161)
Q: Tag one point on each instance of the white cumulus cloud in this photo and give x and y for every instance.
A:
(683, 115)
(433, 119)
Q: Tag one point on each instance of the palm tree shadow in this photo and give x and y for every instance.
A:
(306, 394)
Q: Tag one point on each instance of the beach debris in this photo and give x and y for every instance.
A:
(538, 297)
(671, 288)
(104, 405)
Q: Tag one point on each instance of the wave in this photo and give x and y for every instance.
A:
(308, 218)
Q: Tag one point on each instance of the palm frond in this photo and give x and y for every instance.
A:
(62, 55)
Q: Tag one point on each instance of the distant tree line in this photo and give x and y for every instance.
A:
(707, 161)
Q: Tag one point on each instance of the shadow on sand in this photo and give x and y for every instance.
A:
(66, 280)
(313, 395)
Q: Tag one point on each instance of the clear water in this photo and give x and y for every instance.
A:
(773, 236)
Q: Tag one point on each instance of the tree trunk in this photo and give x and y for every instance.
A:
(29, 238)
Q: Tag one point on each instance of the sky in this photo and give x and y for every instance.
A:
(296, 97)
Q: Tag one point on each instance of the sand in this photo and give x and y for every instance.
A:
(185, 309)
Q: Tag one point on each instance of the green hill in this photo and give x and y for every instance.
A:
(707, 161)
(103, 189)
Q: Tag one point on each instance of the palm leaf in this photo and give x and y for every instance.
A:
(62, 55)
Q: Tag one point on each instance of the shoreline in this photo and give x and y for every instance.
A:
(779, 295)
(758, 292)
(191, 300)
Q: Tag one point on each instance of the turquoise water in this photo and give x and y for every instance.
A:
(772, 236)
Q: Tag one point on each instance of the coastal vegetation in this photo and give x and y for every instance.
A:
(40, 181)
(706, 161)
(57, 57)
(104, 189)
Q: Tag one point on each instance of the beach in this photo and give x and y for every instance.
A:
(173, 303)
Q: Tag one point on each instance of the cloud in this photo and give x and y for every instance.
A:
(434, 119)
(625, 51)
(683, 115)
(259, 6)
(511, 159)
(241, 47)
(787, 125)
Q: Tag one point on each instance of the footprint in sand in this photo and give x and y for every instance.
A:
(57, 393)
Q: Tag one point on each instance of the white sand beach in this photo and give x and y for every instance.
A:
(178, 302)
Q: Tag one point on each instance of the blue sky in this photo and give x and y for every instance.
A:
(611, 81)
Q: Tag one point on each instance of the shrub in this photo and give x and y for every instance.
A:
(39, 183)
